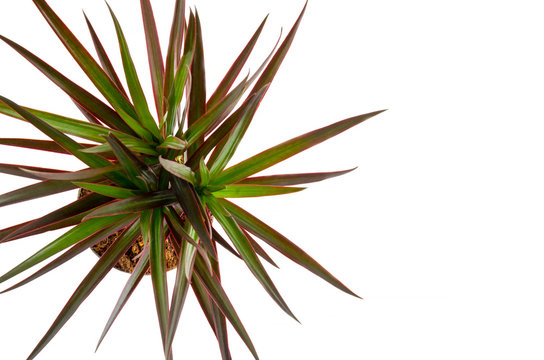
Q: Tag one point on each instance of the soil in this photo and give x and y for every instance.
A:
(129, 260)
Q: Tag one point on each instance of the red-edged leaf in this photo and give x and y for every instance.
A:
(243, 246)
(24, 170)
(187, 198)
(154, 54)
(83, 97)
(104, 58)
(175, 45)
(63, 140)
(181, 287)
(106, 262)
(216, 292)
(179, 170)
(132, 282)
(66, 240)
(35, 191)
(272, 68)
(243, 191)
(135, 88)
(85, 174)
(236, 135)
(88, 115)
(236, 68)
(259, 250)
(80, 206)
(292, 179)
(197, 105)
(95, 73)
(221, 241)
(107, 190)
(151, 224)
(135, 204)
(70, 221)
(77, 249)
(287, 149)
(281, 244)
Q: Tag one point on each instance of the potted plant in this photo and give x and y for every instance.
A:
(157, 183)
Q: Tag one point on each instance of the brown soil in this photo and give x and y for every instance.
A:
(129, 260)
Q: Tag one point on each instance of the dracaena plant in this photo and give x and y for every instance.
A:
(159, 171)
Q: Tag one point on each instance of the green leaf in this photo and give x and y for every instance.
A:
(80, 206)
(83, 97)
(154, 54)
(236, 68)
(134, 86)
(246, 251)
(192, 207)
(135, 204)
(287, 149)
(137, 170)
(23, 170)
(174, 143)
(214, 288)
(104, 58)
(85, 174)
(272, 68)
(132, 282)
(107, 190)
(292, 179)
(66, 240)
(259, 250)
(70, 221)
(183, 276)
(178, 170)
(174, 45)
(281, 244)
(221, 241)
(151, 223)
(106, 262)
(181, 81)
(74, 127)
(66, 142)
(43, 145)
(210, 120)
(35, 191)
(74, 251)
(175, 225)
(204, 173)
(95, 73)
(243, 191)
(135, 146)
(235, 137)
(197, 99)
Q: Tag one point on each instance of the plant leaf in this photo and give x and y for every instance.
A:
(35, 191)
(103, 57)
(242, 191)
(178, 170)
(66, 142)
(292, 179)
(236, 68)
(66, 240)
(134, 86)
(215, 290)
(281, 244)
(83, 97)
(76, 250)
(197, 101)
(246, 251)
(82, 205)
(174, 45)
(188, 199)
(287, 149)
(85, 174)
(235, 137)
(95, 73)
(133, 281)
(134, 204)
(259, 250)
(183, 275)
(107, 190)
(43, 145)
(151, 223)
(23, 170)
(106, 262)
(172, 142)
(154, 54)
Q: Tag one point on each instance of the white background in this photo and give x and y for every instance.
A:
(439, 229)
